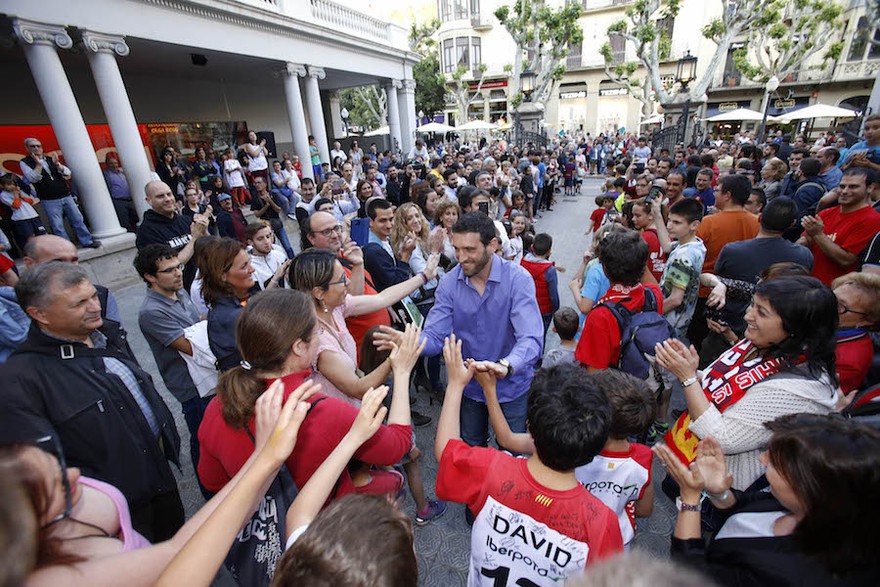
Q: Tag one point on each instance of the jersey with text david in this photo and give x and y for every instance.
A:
(619, 479)
(524, 534)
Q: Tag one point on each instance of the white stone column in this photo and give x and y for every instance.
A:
(39, 43)
(297, 116)
(391, 87)
(486, 115)
(406, 95)
(336, 115)
(117, 107)
(316, 111)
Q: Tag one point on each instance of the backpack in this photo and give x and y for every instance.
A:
(639, 333)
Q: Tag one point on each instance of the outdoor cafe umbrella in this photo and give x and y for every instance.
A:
(478, 125)
(435, 127)
(819, 111)
(738, 115)
(382, 130)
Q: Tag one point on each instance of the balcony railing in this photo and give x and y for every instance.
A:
(481, 22)
(343, 18)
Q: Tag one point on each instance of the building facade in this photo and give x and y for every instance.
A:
(131, 75)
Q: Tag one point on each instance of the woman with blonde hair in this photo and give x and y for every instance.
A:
(771, 177)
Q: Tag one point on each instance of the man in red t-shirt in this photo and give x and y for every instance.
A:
(535, 524)
(837, 235)
(623, 257)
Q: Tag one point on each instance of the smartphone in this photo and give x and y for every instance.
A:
(484, 207)
(338, 186)
(360, 231)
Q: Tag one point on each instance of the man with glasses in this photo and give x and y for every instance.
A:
(74, 379)
(49, 177)
(166, 312)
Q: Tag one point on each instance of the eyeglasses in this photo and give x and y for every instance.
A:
(343, 281)
(328, 232)
(172, 269)
(843, 309)
(33, 146)
(51, 445)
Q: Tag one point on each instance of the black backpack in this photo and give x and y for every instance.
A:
(639, 333)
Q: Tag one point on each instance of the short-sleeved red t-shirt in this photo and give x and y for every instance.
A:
(599, 345)
(522, 529)
(596, 218)
(656, 257)
(852, 232)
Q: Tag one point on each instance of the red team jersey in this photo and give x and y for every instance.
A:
(852, 232)
(524, 534)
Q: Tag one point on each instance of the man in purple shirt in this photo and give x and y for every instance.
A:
(489, 304)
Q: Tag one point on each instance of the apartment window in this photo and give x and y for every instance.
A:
(860, 44)
(446, 10)
(618, 47)
(461, 9)
(448, 56)
(476, 55)
(732, 76)
(666, 24)
(462, 57)
(573, 60)
(475, 8)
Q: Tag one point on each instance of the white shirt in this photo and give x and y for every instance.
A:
(265, 266)
(334, 154)
(34, 175)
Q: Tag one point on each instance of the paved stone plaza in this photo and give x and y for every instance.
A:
(443, 545)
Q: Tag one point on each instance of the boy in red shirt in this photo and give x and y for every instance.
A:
(623, 259)
(534, 523)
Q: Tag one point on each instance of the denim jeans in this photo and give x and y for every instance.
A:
(475, 418)
(56, 210)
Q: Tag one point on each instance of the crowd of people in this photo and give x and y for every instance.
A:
(724, 320)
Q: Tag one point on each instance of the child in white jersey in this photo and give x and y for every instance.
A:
(620, 475)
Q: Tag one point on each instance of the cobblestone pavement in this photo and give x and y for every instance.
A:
(443, 545)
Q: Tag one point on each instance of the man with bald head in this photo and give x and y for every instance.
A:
(49, 247)
(163, 224)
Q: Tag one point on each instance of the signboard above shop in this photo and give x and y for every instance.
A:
(613, 91)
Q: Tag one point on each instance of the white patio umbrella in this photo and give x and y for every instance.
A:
(655, 119)
(382, 130)
(819, 111)
(435, 127)
(477, 125)
(740, 114)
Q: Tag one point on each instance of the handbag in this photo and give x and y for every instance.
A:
(259, 544)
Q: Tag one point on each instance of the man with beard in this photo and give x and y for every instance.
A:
(490, 305)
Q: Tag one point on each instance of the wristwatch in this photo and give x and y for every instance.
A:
(506, 364)
(686, 507)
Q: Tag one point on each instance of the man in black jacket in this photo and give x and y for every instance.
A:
(164, 225)
(73, 379)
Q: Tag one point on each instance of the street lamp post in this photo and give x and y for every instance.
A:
(344, 115)
(770, 87)
(686, 72)
(527, 86)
